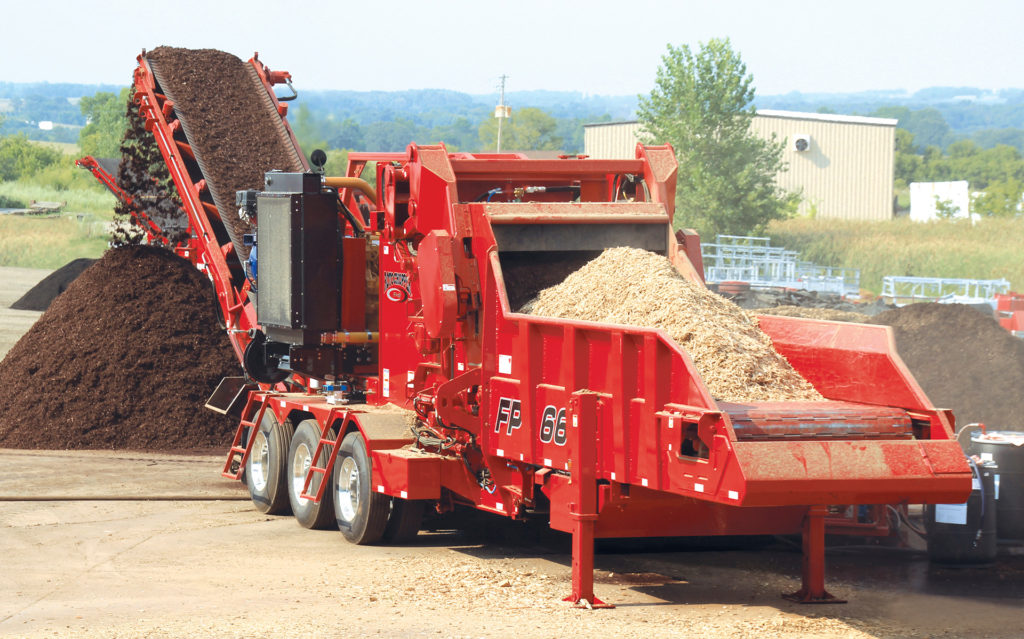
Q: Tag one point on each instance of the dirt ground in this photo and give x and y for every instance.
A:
(105, 544)
(128, 544)
(13, 284)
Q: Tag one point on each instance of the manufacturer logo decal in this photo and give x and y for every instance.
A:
(510, 415)
(552, 426)
(396, 286)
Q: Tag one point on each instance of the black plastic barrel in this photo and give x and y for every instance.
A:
(1006, 449)
(965, 533)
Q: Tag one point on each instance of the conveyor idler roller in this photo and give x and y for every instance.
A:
(817, 420)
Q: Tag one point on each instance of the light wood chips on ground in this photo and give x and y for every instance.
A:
(638, 288)
(814, 313)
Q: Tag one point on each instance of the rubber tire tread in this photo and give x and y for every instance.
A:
(405, 520)
(372, 516)
(308, 514)
(273, 500)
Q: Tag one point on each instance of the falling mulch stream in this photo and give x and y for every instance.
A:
(143, 174)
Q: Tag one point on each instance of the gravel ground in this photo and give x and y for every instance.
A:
(125, 545)
(154, 565)
(14, 282)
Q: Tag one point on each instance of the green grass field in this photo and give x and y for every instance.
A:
(60, 182)
(79, 200)
(991, 249)
(49, 242)
(67, 148)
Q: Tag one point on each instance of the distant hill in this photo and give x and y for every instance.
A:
(936, 116)
(24, 104)
(965, 109)
(53, 90)
(988, 117)
(439, 107)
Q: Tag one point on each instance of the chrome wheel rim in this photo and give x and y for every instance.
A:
(301, 461)
(347, 496)
(259, 461)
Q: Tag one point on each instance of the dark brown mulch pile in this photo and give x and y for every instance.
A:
(39, 297)
(234, 133)
(757, 299)
(125, 358)
(963, 360)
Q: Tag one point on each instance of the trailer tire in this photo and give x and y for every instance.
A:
(266, 471)
(360, 511)
(300, 458)
(405, 520)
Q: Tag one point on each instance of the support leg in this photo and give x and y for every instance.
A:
(584, 422)
(813, 573)
(583, 563)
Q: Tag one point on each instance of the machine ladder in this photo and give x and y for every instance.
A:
(314, 470)
(235, 472)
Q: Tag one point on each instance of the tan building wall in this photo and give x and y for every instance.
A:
(845, 172)
(611, 140)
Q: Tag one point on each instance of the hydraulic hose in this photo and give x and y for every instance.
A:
(352, 183)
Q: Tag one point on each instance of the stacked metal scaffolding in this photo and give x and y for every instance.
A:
(907, 290)
(740, 258)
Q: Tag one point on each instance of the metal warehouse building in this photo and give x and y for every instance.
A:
(843, 164)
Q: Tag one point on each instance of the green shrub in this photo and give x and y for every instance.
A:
(7, 202)
(19, 157)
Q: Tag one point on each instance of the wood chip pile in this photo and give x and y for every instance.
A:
(638, 288)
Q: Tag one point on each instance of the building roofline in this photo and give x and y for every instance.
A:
(827, 117)
(616, 123)
(790, 115)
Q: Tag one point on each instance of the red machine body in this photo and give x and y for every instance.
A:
(1010, 312)
(595, 417)
(607, 430)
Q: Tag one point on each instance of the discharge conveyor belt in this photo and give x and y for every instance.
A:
(230, 123)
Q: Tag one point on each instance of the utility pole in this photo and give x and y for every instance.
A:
(501, 111)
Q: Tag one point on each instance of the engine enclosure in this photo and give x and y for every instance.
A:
(300, 259)
(301, 283)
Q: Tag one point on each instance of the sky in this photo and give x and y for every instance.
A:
(597, 47)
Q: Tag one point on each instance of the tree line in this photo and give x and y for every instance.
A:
(702, 103)
(528, 129)
(994, 175)
(25, 159)
(930, 128)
